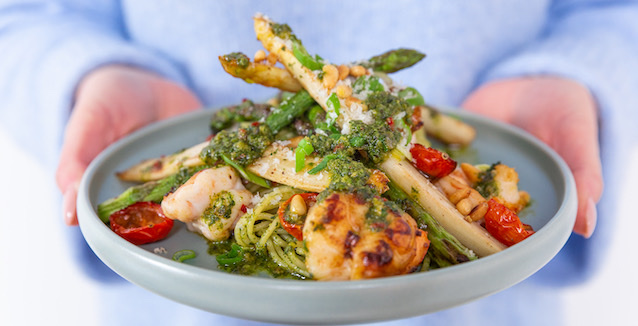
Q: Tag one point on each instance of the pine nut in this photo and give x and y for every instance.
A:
(357, 71)
(260, 55)
(330, 76)
(344, 71)
(298, 205)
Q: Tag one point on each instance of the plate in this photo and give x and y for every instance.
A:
(198, 283)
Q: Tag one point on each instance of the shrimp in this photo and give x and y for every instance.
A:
(210, 202)
(350, 238)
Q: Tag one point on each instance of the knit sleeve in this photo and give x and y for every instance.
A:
(46, 47)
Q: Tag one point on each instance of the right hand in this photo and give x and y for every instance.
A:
(111, 102)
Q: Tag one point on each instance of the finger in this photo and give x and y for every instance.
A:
(576, 142)
(69, 204)
(83, 140)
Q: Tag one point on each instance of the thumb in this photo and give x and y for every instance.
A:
(68, 176)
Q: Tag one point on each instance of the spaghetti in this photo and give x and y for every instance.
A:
(259, 229)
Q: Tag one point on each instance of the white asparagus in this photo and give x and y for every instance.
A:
(434, 202)
(446, 128)
(262, 74)
(277, 164)
(158, 168)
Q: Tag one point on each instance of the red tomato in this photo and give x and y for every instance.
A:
(292, 227)
(432, 162)
(141, 223)
(504, 224)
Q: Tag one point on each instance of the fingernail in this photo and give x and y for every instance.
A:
(590, 218)
(68, 205)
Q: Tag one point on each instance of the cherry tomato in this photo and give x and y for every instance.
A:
(294, 227)
(141, 223)
(432, 162)
(503, 224)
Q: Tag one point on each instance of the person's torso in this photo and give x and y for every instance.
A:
(461, 39)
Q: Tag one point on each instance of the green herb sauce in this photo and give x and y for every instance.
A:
(385, 105)
(253, 261)
(243, 146)
(221, 206)
(240, 59)
(247, 111)
(283, 31)
(486, 185)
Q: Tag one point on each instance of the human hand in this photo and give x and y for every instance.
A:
(111, 102)
(561, 113)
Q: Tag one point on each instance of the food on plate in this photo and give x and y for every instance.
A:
(343, 175)
(141, 222)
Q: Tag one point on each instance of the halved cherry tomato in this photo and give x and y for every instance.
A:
(432, 162)
(503, 224)
(141, 223)
(291, 226)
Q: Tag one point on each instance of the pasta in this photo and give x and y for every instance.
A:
(259, 229)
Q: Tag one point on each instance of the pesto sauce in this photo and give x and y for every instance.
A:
(221, 207)
(283, 31)
(253, 261)
(347, 175)
(240, 59)
(486, 185)
(376, 139)
(370, 141)
(243, 146)
(385, 105)
(246, 111)
(377, 213)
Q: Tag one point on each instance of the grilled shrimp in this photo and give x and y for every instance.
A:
(350, 238)
(210, 202)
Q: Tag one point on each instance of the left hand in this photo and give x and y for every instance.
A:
(563, 114)
(110, 103)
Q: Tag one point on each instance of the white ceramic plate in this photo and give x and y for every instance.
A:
(198, 283)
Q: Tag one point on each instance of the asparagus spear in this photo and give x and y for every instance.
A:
(288, 110)
(239, 65)
(246, 111)
(393, 60)
(149, 191)
(281, 116)
(444, 249)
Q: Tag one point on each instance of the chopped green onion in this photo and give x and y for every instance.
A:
(367, 84)
(304, 58)
(246, 174)
(322, 165)
(357, 141)
(234, 256)
(183, 255)
(405, 127)
(315, 113)
(412, 96)
(303, 149)
(334, 106)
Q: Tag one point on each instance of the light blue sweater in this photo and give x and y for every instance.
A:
(46, 47)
